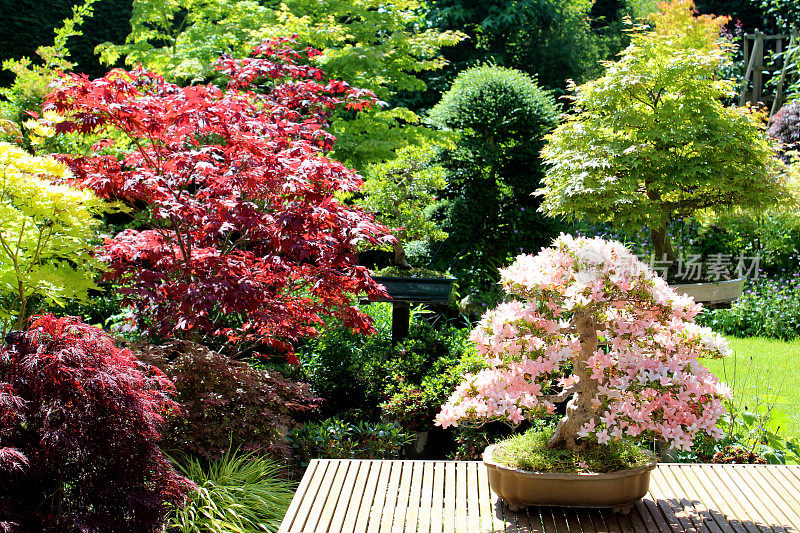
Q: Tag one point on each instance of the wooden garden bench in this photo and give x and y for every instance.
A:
(454, 496)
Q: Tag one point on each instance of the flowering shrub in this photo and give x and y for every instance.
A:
(629, 339)
(242, 235)
(79, 425)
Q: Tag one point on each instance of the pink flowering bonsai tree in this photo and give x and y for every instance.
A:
(630, 341)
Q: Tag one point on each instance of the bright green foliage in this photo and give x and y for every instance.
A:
(502, 116)
(240, 492)
(31, 79)
(45, 235)
(402, 194)
(367, 43)
(652, 141)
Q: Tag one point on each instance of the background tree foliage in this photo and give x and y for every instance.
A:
(31, 77)
(549, 39)
(26, 24)
(367, 43)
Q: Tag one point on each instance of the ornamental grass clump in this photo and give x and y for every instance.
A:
(592, 324)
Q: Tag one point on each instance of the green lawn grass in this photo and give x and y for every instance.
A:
(763, 372)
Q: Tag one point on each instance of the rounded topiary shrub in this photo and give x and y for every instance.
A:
(79, 429)
(501, 116)
(496, 101)
(784, 127)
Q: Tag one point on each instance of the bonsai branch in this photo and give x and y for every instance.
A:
(561, 396)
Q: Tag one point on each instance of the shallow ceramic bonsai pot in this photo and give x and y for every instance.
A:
(416, 289)
(521, 488)
(713, 292)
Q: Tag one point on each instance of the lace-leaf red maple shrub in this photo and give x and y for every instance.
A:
(244, 236)
(79, 430)
(226, 404)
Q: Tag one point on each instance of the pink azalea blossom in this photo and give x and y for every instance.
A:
(645, 373)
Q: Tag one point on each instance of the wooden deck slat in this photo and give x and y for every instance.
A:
(324, 508)
(384, 514)
(697, 511)
(415, 498)
(733, 511)
(783, 506)
(424, 525)
(404, 492)
(360, 493)
(710, 498)
(777, 481)
(300, 494)
(770, 516)
(377, 480)
(437, 500)
(672, 513)
(450, 486)
(325, 495)
(461, 496)
(473, 502)
(364, 496)
(318, 474)
(572, 521)
(490, 521)
(744, 497)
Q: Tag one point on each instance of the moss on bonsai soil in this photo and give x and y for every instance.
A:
(394, 272)
(529, 451)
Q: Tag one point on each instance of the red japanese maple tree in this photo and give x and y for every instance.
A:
(244, 235)
(80, 421)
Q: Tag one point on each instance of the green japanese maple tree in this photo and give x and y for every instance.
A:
(46, 233)
(653, 140)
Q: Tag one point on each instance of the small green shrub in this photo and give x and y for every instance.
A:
(529, 451)
(345, 368)
(360, 372)
(769, 307)
(336, 438)
(754, 435)
(240, 492)
(413, 405)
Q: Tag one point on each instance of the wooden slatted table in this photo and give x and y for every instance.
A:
(362, 496)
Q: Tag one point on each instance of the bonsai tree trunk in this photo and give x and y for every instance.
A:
(579, 409)
(400, 256)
